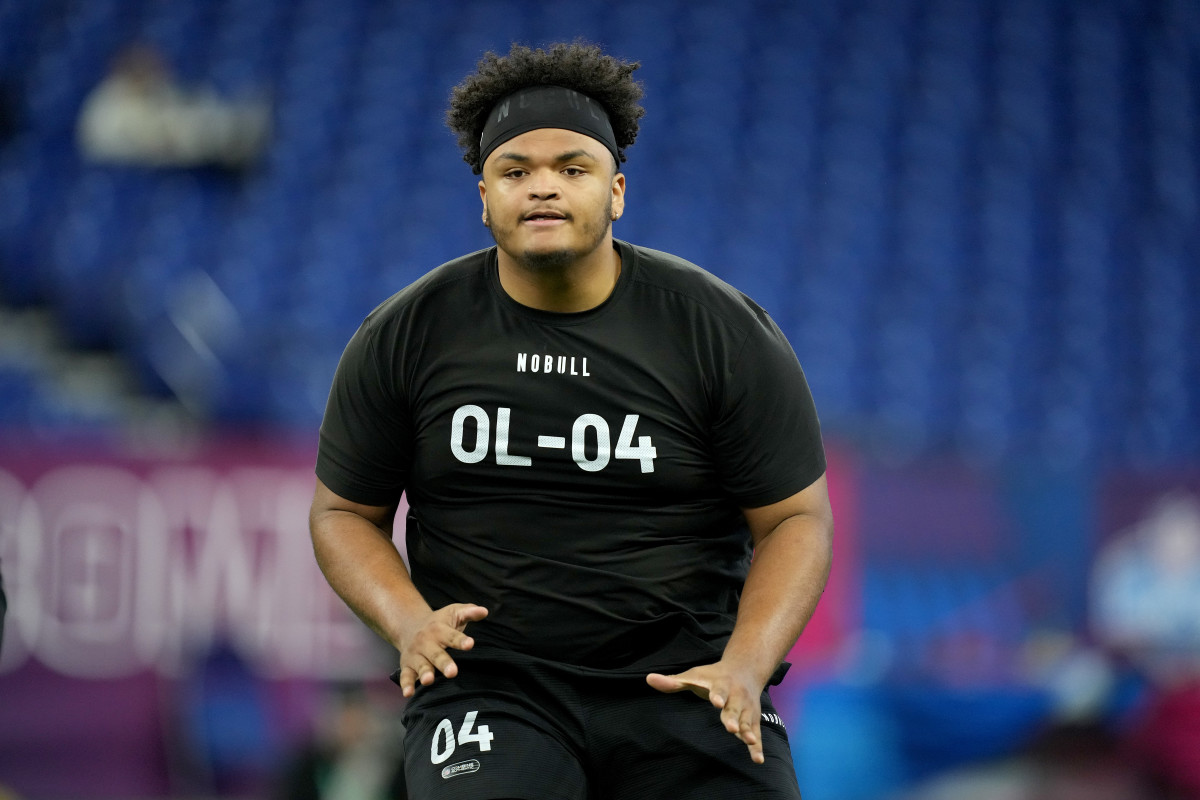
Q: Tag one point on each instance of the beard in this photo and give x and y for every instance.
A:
(547, 261)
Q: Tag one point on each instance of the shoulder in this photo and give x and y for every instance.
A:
(437, 298)
(443, 284)
(690, 285)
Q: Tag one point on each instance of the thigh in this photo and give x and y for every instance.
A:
(674, 746)
(483, 743)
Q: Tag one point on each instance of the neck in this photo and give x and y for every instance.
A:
(578, 285)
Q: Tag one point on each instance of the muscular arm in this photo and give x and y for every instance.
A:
(793, 551)
(354, 549)
(793, 542)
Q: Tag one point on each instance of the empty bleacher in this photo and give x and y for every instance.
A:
(979, 223)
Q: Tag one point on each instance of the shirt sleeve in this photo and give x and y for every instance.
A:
(365, 442)
(767, 435)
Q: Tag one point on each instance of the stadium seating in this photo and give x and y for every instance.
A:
(976, 222)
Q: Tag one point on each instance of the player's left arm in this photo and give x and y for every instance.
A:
(793, 551)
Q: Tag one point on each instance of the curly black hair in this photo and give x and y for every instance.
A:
(579, 66)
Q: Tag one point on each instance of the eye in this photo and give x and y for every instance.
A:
(515, 172)
(573, 172)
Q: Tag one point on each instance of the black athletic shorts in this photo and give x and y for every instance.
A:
(502, 730)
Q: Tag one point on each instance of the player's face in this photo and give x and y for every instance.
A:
(550, 196)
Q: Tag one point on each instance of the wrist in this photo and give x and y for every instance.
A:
(749, 661)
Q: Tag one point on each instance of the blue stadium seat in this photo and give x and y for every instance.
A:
(884, 175)
(19, 396)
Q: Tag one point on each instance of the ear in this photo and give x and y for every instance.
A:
(483, 199)
(618, 195)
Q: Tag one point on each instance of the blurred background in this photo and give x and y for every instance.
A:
(977, 222)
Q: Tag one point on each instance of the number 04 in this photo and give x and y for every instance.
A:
(644, 453)
(442, 746)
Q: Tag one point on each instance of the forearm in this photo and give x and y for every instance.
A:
(365, 569)
(790, 568)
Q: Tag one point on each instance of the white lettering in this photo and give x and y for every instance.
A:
(579, 442)
(551, 364)
(461, 768)
(86, 595)
(482, 431)
(481, 736)
(108, 574)
(502, 455)
(209, 560)
(445, 735)
(643, 452)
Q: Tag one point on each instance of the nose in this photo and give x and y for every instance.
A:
(543, 184)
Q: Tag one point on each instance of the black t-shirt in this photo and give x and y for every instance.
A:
(581, 475)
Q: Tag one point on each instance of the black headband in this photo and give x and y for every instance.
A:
(545, 107)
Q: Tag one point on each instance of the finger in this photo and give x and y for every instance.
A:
(438, 638)
(749, 731)
(731, 719)
(421, 667)
(459, 641)
(756, 753)
(444, 664)
(666, 683)
(718, 695)
(677, 683)
(739, 717)
(751, 734)
(427, 676)
(408, 681)
(469, 612)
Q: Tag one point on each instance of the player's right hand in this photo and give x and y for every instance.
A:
(424, 654)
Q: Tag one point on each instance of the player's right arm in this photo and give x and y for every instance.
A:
(354, 548)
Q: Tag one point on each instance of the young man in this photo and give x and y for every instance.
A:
(594, 439)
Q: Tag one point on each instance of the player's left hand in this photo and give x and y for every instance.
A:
(735, 692)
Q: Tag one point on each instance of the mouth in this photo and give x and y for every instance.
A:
(544, 217)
